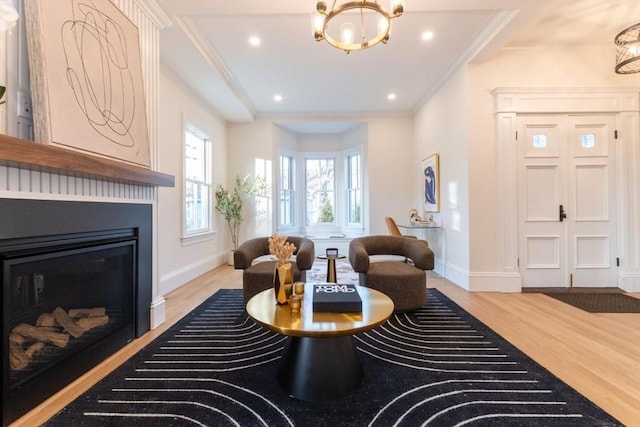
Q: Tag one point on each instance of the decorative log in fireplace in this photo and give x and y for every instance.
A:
(55, 328)
(76, 287)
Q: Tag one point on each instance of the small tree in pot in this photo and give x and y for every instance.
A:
(229, 203)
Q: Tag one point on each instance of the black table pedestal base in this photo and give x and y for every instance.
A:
(320, 369)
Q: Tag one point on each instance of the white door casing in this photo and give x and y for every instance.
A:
(567, 168)
(623, 103)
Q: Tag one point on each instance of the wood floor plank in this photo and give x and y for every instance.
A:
(597, 354)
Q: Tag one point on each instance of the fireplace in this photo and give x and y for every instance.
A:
(76, 288)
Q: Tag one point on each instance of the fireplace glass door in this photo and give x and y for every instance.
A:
(60, 300)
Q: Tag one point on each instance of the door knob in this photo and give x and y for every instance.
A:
(562, 213)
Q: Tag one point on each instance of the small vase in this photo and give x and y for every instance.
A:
(283, 276)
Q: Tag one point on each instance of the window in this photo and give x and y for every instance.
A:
(286, 191)
(354, 191)
(320, 191)
(197, 183)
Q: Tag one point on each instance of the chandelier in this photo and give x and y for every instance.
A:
(628, 50)
(354, 25)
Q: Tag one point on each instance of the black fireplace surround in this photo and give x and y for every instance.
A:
(68, 257)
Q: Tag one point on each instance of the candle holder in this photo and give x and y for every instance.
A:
(298, 289)
(295, 303)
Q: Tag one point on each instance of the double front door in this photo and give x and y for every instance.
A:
(566, 200)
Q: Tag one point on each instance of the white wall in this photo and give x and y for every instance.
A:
(251, 152)
(441, 126)
(389, 180)
(178, 263)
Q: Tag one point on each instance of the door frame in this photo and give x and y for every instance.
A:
(625, 103)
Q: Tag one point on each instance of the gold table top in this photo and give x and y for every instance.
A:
(376, 309)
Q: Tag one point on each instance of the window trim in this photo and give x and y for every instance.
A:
(201, 235)
(291, 191)
(348, 155)
(337, 214)
(340, 226)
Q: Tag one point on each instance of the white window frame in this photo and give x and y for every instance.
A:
(204, 233)
(336, 202)
(290, 191)
(349, 189)
(340, 226)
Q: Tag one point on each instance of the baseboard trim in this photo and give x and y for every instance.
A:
(158, 312)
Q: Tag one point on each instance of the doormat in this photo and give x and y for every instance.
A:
(599, 302)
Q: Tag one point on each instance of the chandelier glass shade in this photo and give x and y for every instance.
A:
(628, 50)
(354, 25)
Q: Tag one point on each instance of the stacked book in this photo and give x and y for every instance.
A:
(336, 298)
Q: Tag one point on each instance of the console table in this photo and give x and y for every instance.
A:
(436, 238)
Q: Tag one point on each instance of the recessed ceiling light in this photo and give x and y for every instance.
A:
(427, 35)
(277, 97)
(254, 41)
(391, 97)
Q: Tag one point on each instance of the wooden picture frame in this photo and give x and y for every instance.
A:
(86, 79)
(431, 183)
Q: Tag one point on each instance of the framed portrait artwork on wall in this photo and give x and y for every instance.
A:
(431, 179)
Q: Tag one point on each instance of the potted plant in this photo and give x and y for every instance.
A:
(2, 89)
(229, 203)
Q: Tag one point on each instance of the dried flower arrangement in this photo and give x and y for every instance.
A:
(280, 249)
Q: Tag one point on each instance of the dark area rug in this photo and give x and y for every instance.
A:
(599, 302)
(437, 366)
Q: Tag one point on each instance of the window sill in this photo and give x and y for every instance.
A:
(198, 238)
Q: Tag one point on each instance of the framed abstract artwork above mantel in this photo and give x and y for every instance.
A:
(86, 79)
(431, 183)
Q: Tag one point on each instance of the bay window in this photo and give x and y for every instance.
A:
(330, 200)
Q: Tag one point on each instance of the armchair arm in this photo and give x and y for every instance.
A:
(358, 256)
(420, 253)
(247, 252)
(305, 254)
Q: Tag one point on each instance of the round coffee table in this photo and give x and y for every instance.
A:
(320, 360)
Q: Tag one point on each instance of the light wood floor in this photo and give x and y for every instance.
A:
(597, 354)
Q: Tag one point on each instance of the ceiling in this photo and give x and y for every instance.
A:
(325, 90)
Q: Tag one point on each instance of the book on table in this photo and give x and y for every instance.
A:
(336, 298)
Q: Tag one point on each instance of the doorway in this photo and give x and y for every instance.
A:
(566, 200)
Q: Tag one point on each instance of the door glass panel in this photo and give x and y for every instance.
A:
(540, 141)
(588, 140)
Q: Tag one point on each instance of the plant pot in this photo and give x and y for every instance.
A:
(230, 259)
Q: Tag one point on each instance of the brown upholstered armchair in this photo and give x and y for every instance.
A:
(404, 283)
(258, 276)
